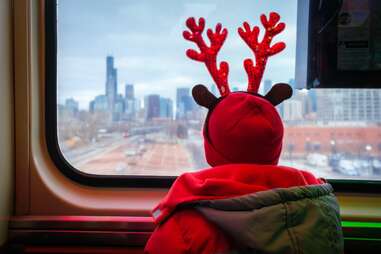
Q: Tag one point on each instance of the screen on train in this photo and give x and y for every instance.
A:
(124, 92)
(342, 44)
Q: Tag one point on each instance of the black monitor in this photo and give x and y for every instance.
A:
(338, 44)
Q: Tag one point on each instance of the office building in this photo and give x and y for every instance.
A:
(152, 106)
(111, 83)
(349, 105)
(166, 108)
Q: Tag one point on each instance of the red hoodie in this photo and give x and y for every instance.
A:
(245, 202)
(183, 229)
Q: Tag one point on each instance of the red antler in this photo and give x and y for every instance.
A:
(207, 54)
(263, 50)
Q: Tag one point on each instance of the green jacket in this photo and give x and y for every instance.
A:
(296, 220)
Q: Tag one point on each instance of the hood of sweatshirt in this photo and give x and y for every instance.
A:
(270, 209)
(302, 219)
(229, 181)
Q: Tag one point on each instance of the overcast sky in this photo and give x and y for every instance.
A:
(145, 37)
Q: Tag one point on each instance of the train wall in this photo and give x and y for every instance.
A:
(6, 118)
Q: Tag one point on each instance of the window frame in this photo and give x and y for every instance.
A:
(51, 121)
(340, 185)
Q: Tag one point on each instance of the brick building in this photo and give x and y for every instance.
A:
(354, 140)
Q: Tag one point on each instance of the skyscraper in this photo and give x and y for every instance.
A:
(129, 91)
(152, 106)
(166, 108)
(184, 102)
(71, 106)
(109, 66)
(111, 83)
(129, 101)
(99, 104)
(292, 110)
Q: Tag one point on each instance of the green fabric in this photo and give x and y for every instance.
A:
(291, 220)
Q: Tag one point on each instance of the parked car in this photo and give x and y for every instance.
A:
(347, 167)
(376, 164)
(334, 160)
(363, 167)
(316, 159)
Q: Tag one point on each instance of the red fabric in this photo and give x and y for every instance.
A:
(243, 128)
(186, 231)
(243, 141)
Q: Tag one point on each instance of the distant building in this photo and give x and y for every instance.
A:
(301, 96)
(99, 104)
(119, 104)
(129, 91)
(312, 97)
(184, 102)
(71, 106)
(119, 108)
(111, 83)
(152, 106)
(137, 105)
(130, 108)
(129, 102)
(326, 139)
(166, 108)
(280, 107)
(349, 105)
(292, 110)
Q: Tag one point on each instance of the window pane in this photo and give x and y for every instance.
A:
(124, 103)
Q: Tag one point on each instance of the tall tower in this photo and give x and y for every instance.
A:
(129, 91)
(184, 102)
(152, 105)
(166, 108)
(111, 82)
(109, 65)
(129, 101)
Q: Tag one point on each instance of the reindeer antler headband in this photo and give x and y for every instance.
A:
(262, 51)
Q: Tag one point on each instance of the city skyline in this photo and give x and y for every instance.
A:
(152, 57)
(124, 62)
(108, 101)
(333, 106)
(126, 107)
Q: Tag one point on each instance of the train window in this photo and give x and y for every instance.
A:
(340, 47)
(119, 104)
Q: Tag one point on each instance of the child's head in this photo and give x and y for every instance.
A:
(241, 127)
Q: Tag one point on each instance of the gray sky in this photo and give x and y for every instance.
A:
(145, 37)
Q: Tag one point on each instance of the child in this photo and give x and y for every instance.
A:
(245, 203)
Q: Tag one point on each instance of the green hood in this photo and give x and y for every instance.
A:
(302, 219)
